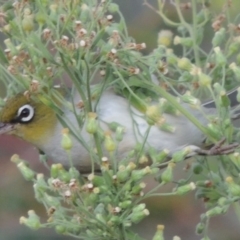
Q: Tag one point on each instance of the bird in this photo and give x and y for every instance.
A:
(38, 123)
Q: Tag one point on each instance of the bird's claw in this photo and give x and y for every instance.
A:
(218, 149)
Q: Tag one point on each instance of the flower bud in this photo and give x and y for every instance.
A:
(140, 173)
(233, 188)
(200, 228)
(60, 229)
(167, 175)
(213, 130)
(143, 159)
(162, 156)
(127, 187)
(224, 100)
(166, 107)
(165, 38)
(119, 133)
(131, 166)
(66, 142)
(27, 172)
(40, 18)
(122, 174)
(197, 168)
(181, 155)
(166, 127)
(172, 59)
(184, 64)
(125, 204)
(214, 211)
(114, 220)
(235, 69)
(138, 188)
(153, 114)
(204, 80)
(137, 216)
(15, 159)
(176, 238)
(159, 233)
(109, 144)
(113, 126)
(188, 98)
(233, 48)
(184, 41)
(139, 207)
(222, 201)
(206, 238)
(74, 173)
(185, 188)
(33, 220)
(92, 125)
(219, 37)
(40, 187)
(27, 23)
(220, 58)
(202, 15)
(55, 169)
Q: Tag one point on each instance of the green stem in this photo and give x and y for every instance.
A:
(160, 13)
(179, 107)
(193, 33)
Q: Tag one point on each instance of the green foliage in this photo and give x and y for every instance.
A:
(87, 40)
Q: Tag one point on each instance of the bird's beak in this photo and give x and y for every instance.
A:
(6, 127)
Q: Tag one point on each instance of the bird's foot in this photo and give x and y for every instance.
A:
(218, 149)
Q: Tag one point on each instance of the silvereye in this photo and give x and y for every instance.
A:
(37, 123)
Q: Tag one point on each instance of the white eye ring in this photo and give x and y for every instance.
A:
(25, 113)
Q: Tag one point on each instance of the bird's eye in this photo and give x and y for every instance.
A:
(25, 113)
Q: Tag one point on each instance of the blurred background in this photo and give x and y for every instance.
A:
(179, 214)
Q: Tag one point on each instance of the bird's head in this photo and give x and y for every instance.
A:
(27, 118)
